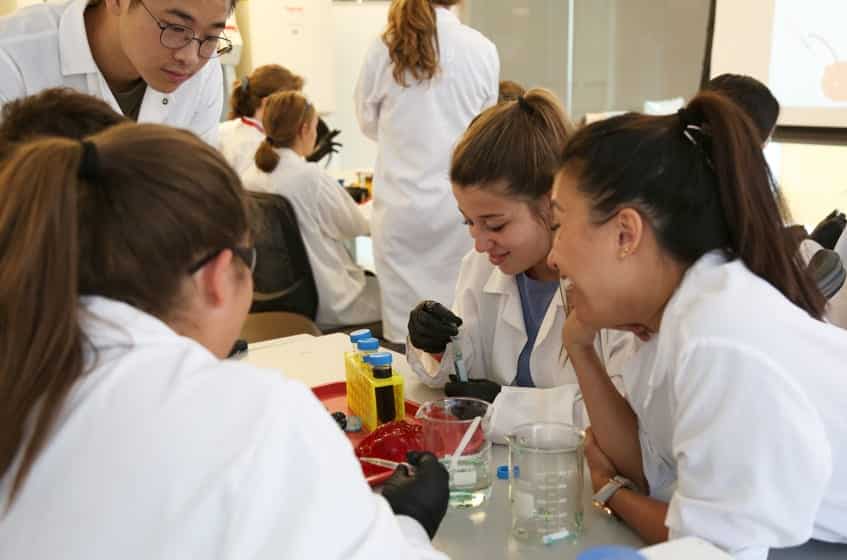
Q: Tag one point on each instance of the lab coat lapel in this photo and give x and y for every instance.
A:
(510, 307)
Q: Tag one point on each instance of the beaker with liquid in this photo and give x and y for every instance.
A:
(445, 423)
(545, 490)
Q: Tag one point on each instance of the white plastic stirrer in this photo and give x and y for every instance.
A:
(463, 443)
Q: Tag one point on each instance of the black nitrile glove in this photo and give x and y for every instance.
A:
(431, 325)
(325, 146)
(829, 230)
(423, 496)
(476, 388)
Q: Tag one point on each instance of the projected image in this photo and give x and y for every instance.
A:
(809, 53)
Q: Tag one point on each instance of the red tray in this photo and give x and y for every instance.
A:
(334, 397)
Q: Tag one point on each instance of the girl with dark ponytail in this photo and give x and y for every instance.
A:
(733, 428)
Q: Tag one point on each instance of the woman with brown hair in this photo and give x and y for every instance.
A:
(126, 278)
(326, 214)
(733, 427)
(241, 135)
(419, 87)
(508, 301)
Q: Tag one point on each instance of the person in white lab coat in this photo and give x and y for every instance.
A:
(149, 59)
(419, 87)
(124, 431)
(242, 134)
(326, 213)
(668, 226)
(508, 301)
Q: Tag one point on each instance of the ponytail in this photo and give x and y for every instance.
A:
(40, 337)
(701, 179)
(752, 212)
(284, 116)
(412, 38)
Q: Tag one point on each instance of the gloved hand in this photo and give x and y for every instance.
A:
(476, 388)
(431, 325)
(424, 495)
(325, 146)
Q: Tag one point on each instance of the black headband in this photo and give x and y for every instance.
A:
(89, 164)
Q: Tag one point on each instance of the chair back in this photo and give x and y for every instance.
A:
(276, 324)
(828, 271)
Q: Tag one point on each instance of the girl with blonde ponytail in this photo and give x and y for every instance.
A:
(326, 214)
(125, 277)
(420, 85)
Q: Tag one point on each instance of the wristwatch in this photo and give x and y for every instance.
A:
(602, 497)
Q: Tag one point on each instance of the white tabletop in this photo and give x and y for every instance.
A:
(482, 532)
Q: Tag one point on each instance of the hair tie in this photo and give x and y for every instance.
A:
(524, 104)
(245, 84)
(89, 164)
(687, 117)
(270, 141)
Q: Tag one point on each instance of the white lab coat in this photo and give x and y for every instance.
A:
(238, 141)
(492, 336)
(46, 45)
(418, 236)
(164, 451)
(740, 399)
(327, 216)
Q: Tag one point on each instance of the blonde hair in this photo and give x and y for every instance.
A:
(284, 115)
(513, 146)
(248, 92)
(412, 38)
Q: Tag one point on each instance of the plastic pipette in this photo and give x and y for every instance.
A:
(466, 439)
(459, 361)
(385, 463)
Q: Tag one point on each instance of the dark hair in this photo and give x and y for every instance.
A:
(53, 112)
(285, 114)
(129, 231)
(752, 96)
(513, 146)
(248, 92)
(702, 182)
(412, 38)
(509, 91)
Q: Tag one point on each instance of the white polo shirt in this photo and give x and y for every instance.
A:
(45, 46)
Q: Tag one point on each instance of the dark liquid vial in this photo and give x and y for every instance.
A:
(385, 406)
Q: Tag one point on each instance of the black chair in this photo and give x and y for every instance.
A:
(283, 279)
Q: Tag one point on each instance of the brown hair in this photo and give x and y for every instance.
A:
(509, 91)
(513, 146)
(412, 38)
(62, 237)
(285, 114)
(702, 182)
(53, 112)
(248, 92)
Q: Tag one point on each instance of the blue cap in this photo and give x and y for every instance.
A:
(503, 472)
(379, 359)
(610, 553)
(358, 335)
(368, 344)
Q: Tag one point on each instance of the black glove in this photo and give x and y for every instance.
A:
(325, 146)
(423, 496)
(829, 230)
(431, 325)
(476, 388)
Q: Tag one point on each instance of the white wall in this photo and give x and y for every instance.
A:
(354, 27)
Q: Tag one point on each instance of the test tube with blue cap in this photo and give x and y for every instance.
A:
(358, 335)
(367, 346)
(380, 363)
(459, 361)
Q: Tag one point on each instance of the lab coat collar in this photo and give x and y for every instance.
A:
(507, 285)
(447, 14)
(109, 323)
(659, 369)
(74, 49)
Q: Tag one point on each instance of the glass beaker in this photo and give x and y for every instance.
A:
(545, 489)
(444, 423)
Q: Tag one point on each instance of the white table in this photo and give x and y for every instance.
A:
(482, 532)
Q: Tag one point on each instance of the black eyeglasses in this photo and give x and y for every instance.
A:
(246, 254)
(175, 36)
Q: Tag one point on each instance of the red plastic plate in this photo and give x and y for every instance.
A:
(334, 397)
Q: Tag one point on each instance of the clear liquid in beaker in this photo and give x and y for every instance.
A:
(470, 483)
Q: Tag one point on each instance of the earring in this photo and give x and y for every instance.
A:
(624, 252)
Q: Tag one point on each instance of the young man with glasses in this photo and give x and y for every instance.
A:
(146, 58)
